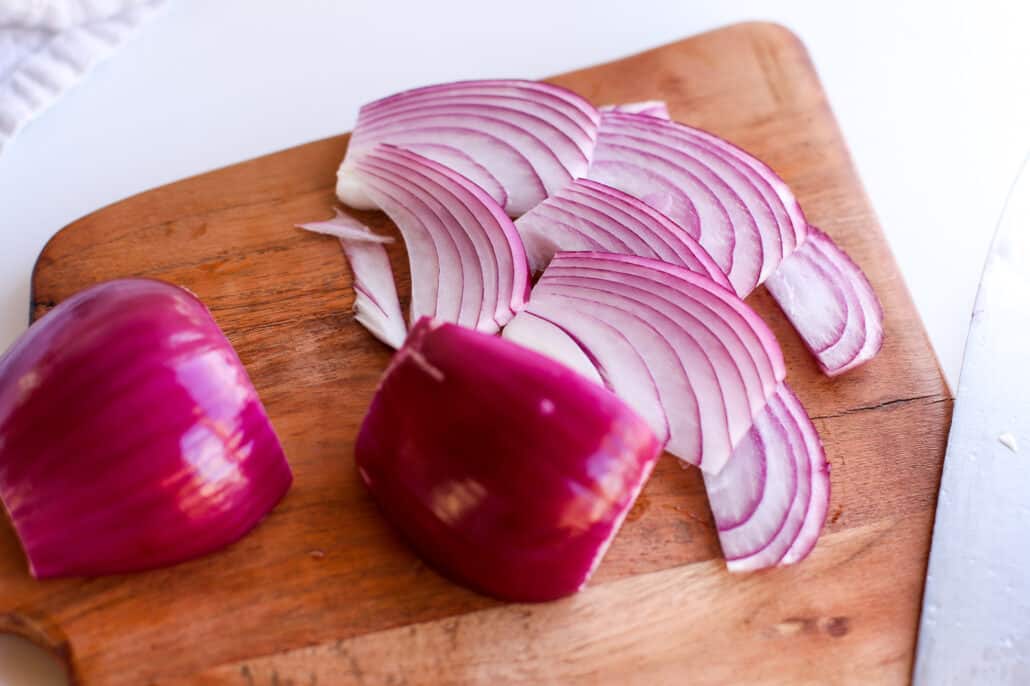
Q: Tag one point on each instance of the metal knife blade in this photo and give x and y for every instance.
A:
(975, 626)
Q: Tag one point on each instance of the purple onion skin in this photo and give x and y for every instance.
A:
(506, 471)
(130, 434)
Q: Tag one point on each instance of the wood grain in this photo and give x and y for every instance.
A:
(323, 592)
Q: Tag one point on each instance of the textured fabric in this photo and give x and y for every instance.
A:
(46, 46)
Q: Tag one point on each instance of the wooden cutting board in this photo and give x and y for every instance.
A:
(323, 592)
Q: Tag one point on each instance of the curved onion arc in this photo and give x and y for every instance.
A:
(522, 140)
(748, 351)
(608, 219)
(753, 191)
(831, 303)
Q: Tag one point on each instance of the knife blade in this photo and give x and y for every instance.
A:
(975, 623)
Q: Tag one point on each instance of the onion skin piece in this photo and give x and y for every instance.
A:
(130, 435)
(376, 305)
(507, 472)
(821, 271)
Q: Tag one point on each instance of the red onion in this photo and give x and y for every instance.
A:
(376, 304)
(468, 265)
(519, 141)
(506, 471)
(738, 209)
(831, 303)
(589, 216)
(652, 108)
(686, 353)
(130, 434)
(770, 501)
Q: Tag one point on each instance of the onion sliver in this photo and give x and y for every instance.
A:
(518, 140)
(831, 303)
(376, 305)
(506, 471)
(652, 108)
(770, 501)
(468, 265)
(130, 434)
(661, 334)
(590, 216)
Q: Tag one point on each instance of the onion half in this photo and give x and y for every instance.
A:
(130, 434)
(468, 265)
(831, 304)
(686, 353)
(376, 305)
(518, 140)
(522, 510)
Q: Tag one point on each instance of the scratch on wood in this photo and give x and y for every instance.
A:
(932, 397)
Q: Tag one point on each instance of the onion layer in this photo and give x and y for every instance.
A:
(376, 304)
(831, 303)
(468, 265)
(506, 471)
(590, 216)
(518, 140)
(130, 434)
(689, 355)
(770, 501)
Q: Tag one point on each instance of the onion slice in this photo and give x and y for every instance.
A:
(733, 204)
(668, 341)
(518, 140)
(770, 502)
(376, 304)
(590, 216)
(468, 265)
(831, 303)
(652, 108)
(130, 434)
(506, 471)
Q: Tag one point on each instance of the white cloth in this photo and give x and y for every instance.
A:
(46, 46)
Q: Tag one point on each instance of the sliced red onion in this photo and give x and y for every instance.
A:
(667, 340)
(519, 140)
(770, 501)
(468, 265)
(507, 472)
(652, 108)
(130, 434)
(733, 204)
(590, 216)
(831, 303)
(376, 304)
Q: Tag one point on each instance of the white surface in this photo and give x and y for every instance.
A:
(47, 46)
(933, 97)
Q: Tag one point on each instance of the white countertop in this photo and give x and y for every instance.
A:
(933, 97)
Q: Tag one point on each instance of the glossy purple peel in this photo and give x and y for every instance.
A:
(130, 434)
(506, 471)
